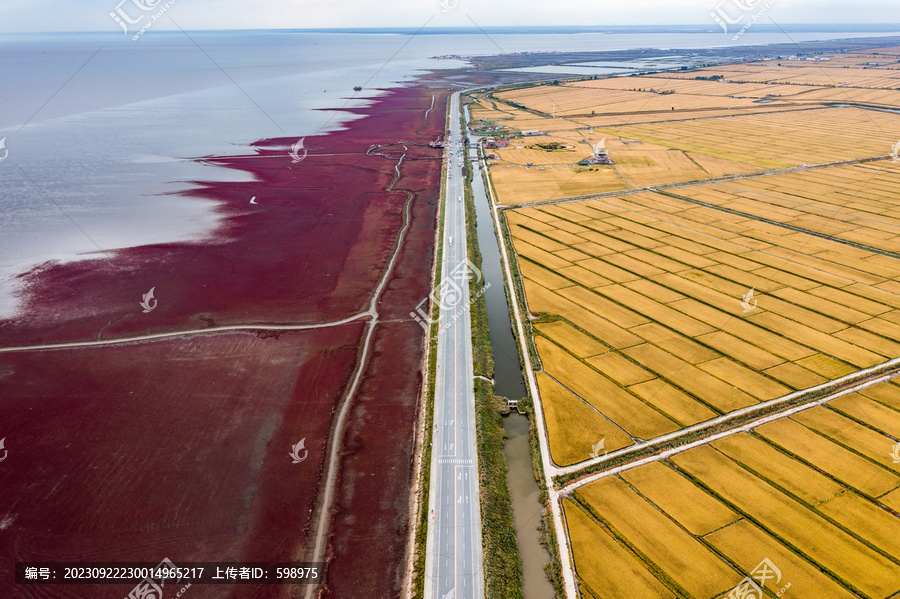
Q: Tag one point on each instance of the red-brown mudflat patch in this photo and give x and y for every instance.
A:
(175, 449)
(179, 448)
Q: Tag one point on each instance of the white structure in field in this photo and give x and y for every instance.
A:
(601, 155)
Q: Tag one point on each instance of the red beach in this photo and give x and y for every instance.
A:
(175, 444)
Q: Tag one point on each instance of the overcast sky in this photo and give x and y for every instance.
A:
(93, 15)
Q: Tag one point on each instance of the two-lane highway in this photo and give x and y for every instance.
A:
(453, 563)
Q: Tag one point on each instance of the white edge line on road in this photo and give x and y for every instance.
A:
(431, 524)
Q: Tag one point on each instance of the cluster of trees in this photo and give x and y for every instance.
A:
(664, 92)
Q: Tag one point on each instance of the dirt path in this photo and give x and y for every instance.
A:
(322, 522)
(211, 330)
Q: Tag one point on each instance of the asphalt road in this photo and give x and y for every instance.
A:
(453, 563)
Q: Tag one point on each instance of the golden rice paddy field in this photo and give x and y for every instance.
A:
(742, 87)
(643, 312)
(693, 87)
(511, 117)
(816, 494)
(653, 311)
(561, 148)
(673, 127)
(777, 140)
(690, 150)
(857, 58)
(634, 118)
(581, 98)
(879, 97)
(855, 203)
(519, 184)
(804, 73)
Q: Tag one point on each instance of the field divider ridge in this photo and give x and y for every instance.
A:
(739, 421)
(710, 180)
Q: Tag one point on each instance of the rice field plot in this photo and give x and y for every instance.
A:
(819, 74)
(510, 120)
(651, 164)
(819, 508)
(838, 462)
(854, 203)
(576, 425)
(643, 310)
(731, 73)
(498, 107)
(879, 96)
(629, 413)
(523, 185)
(868, 442)
(528, 173)
(695, 87)
(652, 312)
(703, 129)
(777, 140)
(544, 150)
(696, 150)
(657, 93)
(577, 100)
(605, 567)
(676, 557)
(608, 120)
(859, 58)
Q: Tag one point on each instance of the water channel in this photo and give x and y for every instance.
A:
(509, 382)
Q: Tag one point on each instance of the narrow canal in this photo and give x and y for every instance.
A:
(509, 382)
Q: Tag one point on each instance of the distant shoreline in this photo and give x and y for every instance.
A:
(699, 28)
